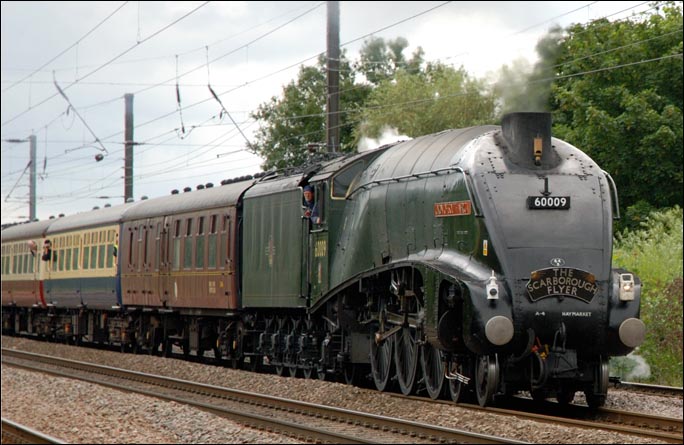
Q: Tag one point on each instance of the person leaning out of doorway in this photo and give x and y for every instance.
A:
(311, 207)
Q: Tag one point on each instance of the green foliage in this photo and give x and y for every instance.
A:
(380, 60)
(298, 117)
(436, 99)
(634, 216)
(400, 95)
(654, 253)
(628, 119)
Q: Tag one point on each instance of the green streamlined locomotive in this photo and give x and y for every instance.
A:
(473, 262)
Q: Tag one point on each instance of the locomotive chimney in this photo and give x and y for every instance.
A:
(527, 138)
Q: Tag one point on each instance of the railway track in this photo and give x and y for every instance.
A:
(639, 424)
(643, 388)
(301, 420)
(15, 433)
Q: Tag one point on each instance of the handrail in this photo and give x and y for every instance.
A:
(613, 189)
(476, 205)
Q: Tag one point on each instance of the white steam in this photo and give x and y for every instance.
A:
(641, 369)
(630, 368)
(388, 135)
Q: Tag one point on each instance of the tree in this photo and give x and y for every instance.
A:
(380, 60)
(618, 97)
(426, 102)
(298, 117)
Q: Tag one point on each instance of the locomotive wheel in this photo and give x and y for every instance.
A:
(254, 364)
(565, 396)
(382, 365)
(596, 395)
(486, 378)
(293, 370)
(460, 392)
(349, 373)
(406, 356)
(167, 348)
(538, 395)
(355, 374)
(291, 356)
(321, 373)
(309, 372)
(185, 347)
(433, 370)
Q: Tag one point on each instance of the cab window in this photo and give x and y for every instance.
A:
(342, 181)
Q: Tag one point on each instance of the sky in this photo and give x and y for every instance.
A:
(66, 67)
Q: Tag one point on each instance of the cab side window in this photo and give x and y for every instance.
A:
(342, 182)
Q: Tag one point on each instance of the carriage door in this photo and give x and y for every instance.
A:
(165, 262)
(318, 247)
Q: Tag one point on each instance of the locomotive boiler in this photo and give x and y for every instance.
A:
(473, 262)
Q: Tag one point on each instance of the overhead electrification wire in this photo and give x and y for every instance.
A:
(251, 42)
(107, 63)
(223, 108)
(61, 92)
(413, 102)
(67, 49)
(188, 72)
(264, 77)
(190, 51)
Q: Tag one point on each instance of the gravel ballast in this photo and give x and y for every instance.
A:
(85, 413)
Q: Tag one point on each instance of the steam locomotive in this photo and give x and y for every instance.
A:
(474, 263)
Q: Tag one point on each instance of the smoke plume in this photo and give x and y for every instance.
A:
(525, 88)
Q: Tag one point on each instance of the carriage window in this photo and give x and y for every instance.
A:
(101, 250)
(112, 253)
(93, 257)
(68, 259)
(176, 246)
(199, 257)
(199, 254)
(130, 248)
(74, 263)
(187, 245)
(211, 247)
(226, 229)
(145, 259)
(86, 256)
(157, 250)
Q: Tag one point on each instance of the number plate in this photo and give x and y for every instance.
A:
(548, 202)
